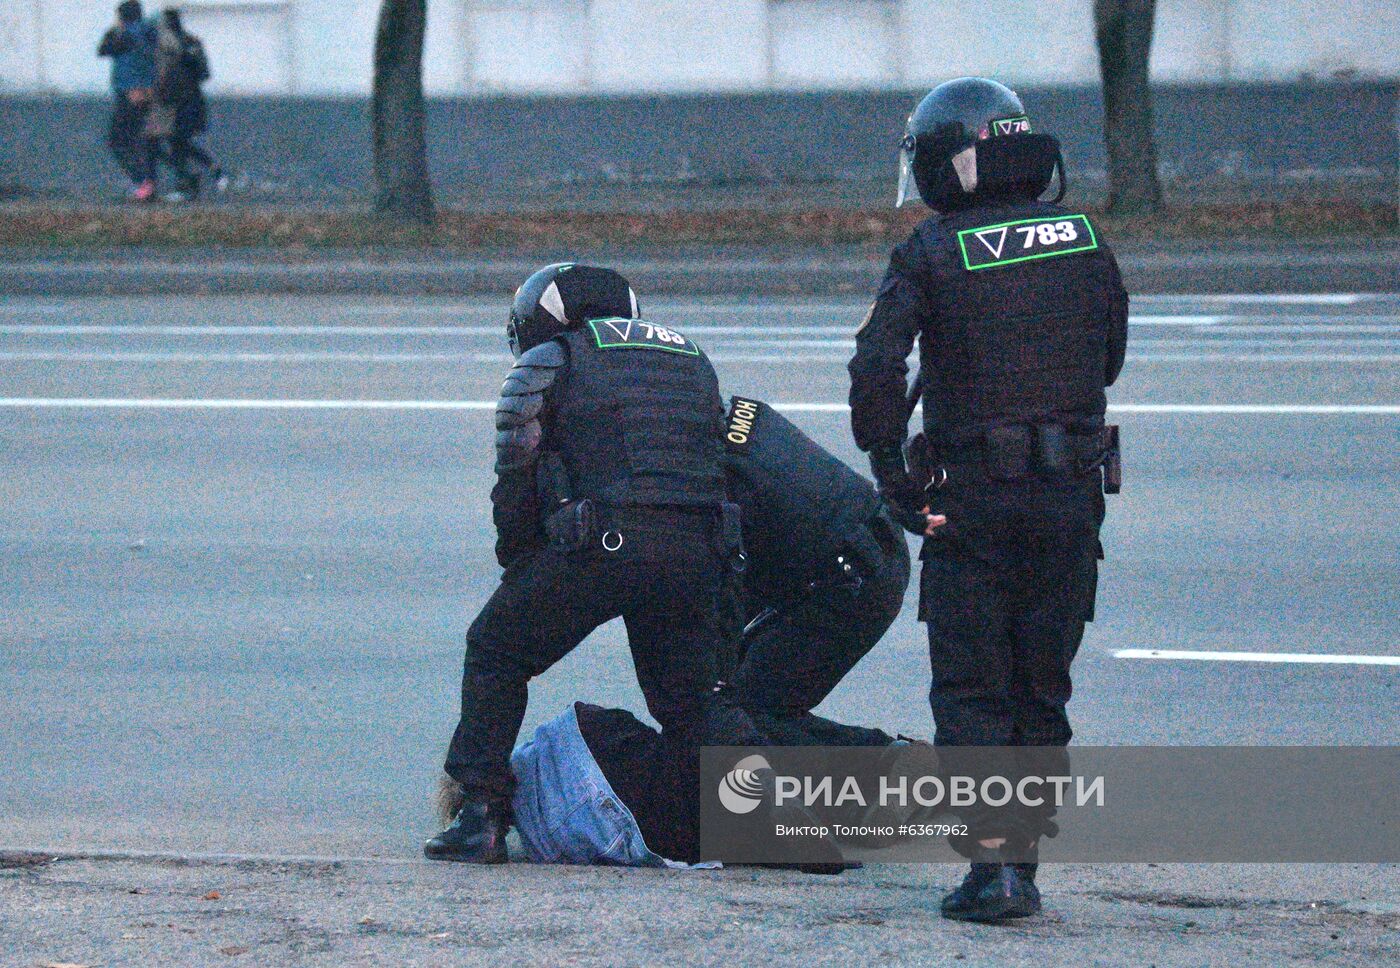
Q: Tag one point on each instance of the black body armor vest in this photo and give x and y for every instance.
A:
(1018, 325)
(634, 416)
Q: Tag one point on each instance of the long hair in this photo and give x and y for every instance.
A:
(449, 799)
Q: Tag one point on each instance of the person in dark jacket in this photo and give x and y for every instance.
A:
(1021, 321)
(827, 568)
(131, 44)
(609, 501)
(179, 114)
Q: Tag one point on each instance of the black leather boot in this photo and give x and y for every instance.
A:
(962, 898)
(991, 893)
(476, 836)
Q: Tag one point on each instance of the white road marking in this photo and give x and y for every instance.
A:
(21, 309)
(41, 356)
(1234, 328)
(1226, 354)
(1262, 342)
(199, 857)
(1156, 320)
(1266, 298)
(327, 329)
(1281, 358)
(1289, 657)
(1388, 358)
(429, 305)
(236, 403)
(192, 403)
(340, 329)
(1257, 408)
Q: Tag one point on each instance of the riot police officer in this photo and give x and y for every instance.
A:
(827, 570)
(1021, 319)
(609, 502)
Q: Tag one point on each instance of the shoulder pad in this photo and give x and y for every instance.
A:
(549, 354)
(518, 430)
(533, 374)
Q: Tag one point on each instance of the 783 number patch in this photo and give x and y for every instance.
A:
(617, 333)
(1007, 243)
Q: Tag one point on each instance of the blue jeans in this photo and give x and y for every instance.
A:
(565, 810)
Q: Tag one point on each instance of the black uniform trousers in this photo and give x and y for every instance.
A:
(795, 659)
(1006, 588)
(664, 581)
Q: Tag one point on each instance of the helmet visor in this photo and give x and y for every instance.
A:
(513, 334)
(908, 188)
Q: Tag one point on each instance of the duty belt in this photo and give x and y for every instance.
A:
(582, 524)
(1051, 451)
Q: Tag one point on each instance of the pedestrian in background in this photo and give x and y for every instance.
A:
(131, 43)
(180, 115)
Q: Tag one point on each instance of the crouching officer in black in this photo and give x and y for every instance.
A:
(609, 502)
(1021, 319)
(827, 570)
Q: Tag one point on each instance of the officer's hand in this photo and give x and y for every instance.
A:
(904, 497)
(919, 522)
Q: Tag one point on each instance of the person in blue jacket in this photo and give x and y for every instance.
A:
(131, 44)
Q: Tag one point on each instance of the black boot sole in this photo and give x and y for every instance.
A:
(1010, 910)
(462, 857)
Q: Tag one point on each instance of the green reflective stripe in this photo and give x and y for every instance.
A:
(996, 261)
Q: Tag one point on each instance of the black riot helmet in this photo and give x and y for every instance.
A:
(562, 296)
(1005, 159)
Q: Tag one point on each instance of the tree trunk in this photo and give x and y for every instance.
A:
(1124, 32)
(403, 190)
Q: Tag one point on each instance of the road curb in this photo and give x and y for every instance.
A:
(29, 856)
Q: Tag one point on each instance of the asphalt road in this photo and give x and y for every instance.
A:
(243, 536)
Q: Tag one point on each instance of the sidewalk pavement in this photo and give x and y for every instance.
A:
(1207, 266)
(114, 910)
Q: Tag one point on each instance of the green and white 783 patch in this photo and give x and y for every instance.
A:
(1007, 243)
(616, 333)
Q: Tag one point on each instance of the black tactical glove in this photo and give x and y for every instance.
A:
(899, 490)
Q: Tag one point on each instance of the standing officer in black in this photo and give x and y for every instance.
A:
(1021, 319)
(609, 502)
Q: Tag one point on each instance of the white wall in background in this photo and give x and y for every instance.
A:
(834, 43)
(20, 69)
(1288, 38)
(251, 44)
(1018, 41)
(657, 45)
(479, 46)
